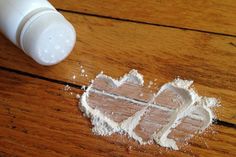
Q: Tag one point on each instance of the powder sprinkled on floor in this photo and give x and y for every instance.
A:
(169, 117)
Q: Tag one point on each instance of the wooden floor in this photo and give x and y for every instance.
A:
(162, 39)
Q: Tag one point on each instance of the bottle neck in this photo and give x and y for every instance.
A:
(29, 18)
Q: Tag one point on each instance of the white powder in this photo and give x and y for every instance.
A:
(173, 114)
(83, 87)
(83, 72)
(150, 84)
(77, 96)
(67, 88)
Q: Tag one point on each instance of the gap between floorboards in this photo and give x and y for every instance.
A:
(215, 121)
(146, 23)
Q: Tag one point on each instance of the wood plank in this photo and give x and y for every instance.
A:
(212, 15)
(47, 122)
(157, 52)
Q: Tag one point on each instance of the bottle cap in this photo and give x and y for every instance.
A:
(48, 37)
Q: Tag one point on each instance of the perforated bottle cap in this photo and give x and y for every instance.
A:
(48, 37)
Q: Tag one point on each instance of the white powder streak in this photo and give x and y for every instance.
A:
(194, 103)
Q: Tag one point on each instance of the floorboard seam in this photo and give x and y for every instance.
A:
(41, 77)
(215, 121)
(146, 23)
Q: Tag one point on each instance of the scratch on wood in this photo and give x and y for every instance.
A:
(233, 44)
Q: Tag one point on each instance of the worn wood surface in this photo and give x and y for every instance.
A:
(39, 118)
(212, 15)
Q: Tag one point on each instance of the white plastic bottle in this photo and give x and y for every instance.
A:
(38, 29)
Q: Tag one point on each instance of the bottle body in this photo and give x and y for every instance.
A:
(13, 14)
(38, 29)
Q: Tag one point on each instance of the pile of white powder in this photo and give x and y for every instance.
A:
(168, 117)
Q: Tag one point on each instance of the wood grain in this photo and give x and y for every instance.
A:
(157, 52)
(212, 15)
(38, 118)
